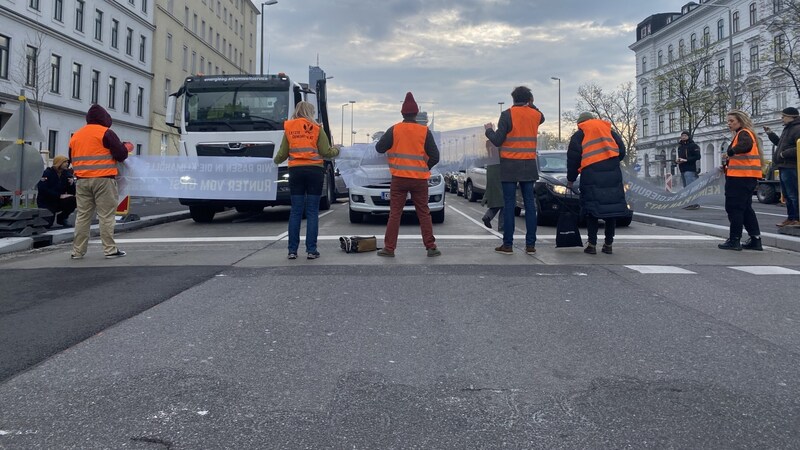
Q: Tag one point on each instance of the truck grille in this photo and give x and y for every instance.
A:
(253, 149)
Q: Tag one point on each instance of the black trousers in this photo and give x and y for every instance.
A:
(592, 225)
(739, 206)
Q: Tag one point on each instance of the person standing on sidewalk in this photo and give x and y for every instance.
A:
(306, 146)
(95, 151)
(595, 152)
(412, 153)
(784, 157)
(688, 155)
(741, 178)
(516, 135)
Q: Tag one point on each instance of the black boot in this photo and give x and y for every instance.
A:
(754, 243)
(731, 244)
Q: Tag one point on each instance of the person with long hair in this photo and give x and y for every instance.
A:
(743, 171)
(306, 146)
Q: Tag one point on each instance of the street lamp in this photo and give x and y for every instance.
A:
(263, 31)
(342, 141)
(559, 106)
(730, 51)
(352, 106)
(501, 106)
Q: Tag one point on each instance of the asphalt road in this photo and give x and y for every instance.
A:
(205, 336)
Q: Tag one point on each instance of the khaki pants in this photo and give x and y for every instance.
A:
(95, 194)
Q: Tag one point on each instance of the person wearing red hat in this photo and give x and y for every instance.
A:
(412, 152)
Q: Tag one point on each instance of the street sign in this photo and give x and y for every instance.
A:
(637, 167)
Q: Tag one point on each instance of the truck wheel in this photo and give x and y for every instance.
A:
(469, 193)
(437, 216)
(767, 193)
(356, 217)
(201, 213)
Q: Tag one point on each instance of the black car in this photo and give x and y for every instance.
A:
(551, 192)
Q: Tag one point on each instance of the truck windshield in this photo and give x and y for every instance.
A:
(232, 108)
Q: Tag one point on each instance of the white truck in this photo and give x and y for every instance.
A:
(243, 116)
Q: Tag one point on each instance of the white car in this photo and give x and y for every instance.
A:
(374, 198)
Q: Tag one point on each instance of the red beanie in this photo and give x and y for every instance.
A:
(409, 105)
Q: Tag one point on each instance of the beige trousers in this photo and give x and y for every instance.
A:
(95, 194)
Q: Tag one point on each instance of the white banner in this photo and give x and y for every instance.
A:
(202, 177)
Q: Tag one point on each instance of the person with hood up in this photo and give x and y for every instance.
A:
(412, 152)
(595, 152)
(687, 157)
(95, 151)
(57, 191)
(784, 157)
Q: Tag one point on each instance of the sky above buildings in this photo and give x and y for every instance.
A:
(459, 58)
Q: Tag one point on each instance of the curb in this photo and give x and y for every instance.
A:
(11, 245)
(781, 241)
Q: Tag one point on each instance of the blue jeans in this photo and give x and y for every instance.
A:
(688, 178)
(311, 205)
(510, 204)
(789, 188)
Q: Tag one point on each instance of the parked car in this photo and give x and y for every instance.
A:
(450, 182)
(373, 200)
(461, 177)
(340, 188)
(551, 193)
(475, 183)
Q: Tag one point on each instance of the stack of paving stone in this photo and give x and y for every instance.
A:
(23, 222)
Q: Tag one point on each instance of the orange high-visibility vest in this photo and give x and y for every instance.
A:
(520, 143)
(407, 157)
(90, 159)
(302, 136)
(745, 165)
(598, 143)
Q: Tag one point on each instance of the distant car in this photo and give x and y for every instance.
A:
(340, 188)
(475, 183)
(451, 182)
(373, 200)
(461, 177)
(551, 193)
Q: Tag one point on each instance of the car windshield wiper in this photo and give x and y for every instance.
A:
(205, 123)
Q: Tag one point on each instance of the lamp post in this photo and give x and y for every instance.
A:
(730, 51)
(263, 31)
(501, 106)
(342, 141)
(352, 106)
(559, 106)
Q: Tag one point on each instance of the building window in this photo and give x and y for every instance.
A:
(185, 58)
(142, 47)
(98, 24)
(672, 123)
(660, 58)
(138, 149)
(776, 6)
(129, 42)
(202, 63)
(721, 70)
(5, 46)
(79, 8)
(681, 48)
(52, 141)
(753, 16)
(76, 81)
(670, 53)
(707, 74)
(126, 98)
(720, 30)
(682, 125)
(706, 36)
(55, 74)
(167, 90)
(737, 64)
(140, 101)
(779, 44)
(144, 6)
(754, 65)
(95, 92)
(661, 91)
(31, 65)
(755, 100)
(168, 50)
(194, 62)
(660, 124)
(114, 33)
(693, 42)
(34, 4)
(112, 92)
(780, 100)
(735, 21)
(645, 126)
(58, 10)
(644, 96)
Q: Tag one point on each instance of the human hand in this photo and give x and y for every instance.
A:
(128, 146)
(488, 126)
(767, 129)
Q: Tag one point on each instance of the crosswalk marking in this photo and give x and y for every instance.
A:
(766, 270)
(660, 270)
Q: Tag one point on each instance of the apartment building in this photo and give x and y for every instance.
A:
(731, 43)
(210, 37)
(69, 54)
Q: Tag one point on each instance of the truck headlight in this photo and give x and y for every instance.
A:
(434, 180)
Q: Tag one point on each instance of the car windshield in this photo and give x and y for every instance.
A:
(552, 162)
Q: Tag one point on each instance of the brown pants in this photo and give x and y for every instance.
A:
(95, 194)
(399, 189)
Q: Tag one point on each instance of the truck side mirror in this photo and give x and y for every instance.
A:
(170, 113)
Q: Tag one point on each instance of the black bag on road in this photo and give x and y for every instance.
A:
(567, 233)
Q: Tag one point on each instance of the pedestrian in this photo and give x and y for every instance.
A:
(784, 156)
(595, 152)
(95, 150)
(493, 197)
(687, 157)
(306, 146)
(412, 153)
(741, 178)
(516, 134)
(56, 191)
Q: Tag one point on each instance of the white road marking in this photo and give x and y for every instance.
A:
(480, 224)
(720, 208)
(766, 270)
(660, 269)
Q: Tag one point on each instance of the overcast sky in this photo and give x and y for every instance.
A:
(466, 55)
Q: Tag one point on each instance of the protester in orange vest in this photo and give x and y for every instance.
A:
(516, 135)
(412, 152)
(741, 179)
(595, 152)
(95, 151)
(306, 146)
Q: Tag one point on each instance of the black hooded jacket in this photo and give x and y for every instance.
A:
(785, 153)
(689, 151)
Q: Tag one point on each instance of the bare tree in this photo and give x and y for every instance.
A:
(34, 74)
(782, 59)
(618, 107)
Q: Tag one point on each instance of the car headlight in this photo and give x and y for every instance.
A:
(434, 180)
(560, 190)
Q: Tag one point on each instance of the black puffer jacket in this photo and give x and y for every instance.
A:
(51, 186)
(601, 185)
(785, 153)
(689, 151)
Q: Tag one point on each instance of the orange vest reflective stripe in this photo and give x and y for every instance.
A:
(598, 143)
(90, 159)
(520, 142)
(407, 157)
(745, 165)
(302, 136)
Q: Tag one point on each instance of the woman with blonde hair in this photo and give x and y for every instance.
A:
(743, 171)
(306, 146)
